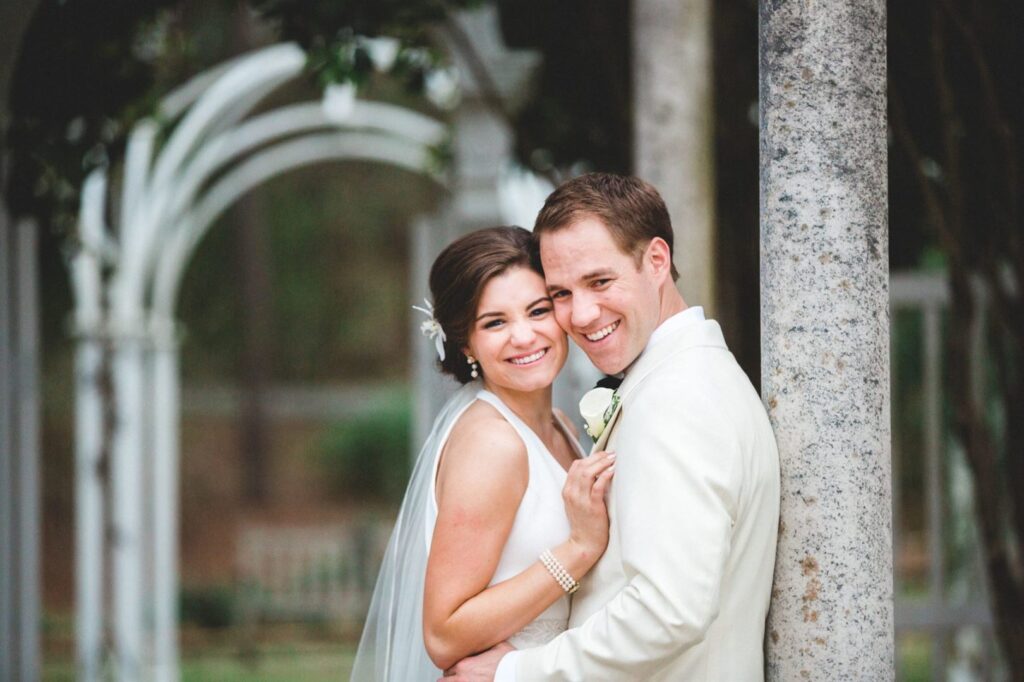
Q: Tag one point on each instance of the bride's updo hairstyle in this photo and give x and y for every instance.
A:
(458, 278)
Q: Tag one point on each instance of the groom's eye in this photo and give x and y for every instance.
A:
(562, 293)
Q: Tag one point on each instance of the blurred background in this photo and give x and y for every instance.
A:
(299, 385)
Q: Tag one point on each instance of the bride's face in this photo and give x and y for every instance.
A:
(515, 336)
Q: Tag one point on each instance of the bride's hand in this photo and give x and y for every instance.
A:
(583, 495)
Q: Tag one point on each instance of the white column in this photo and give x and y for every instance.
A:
(87, 285)
(8, 645)
(89, 435)
(165, 489)
(19, 451)
(29, 508)
(88, 507)
(674, 135)
(128, 507)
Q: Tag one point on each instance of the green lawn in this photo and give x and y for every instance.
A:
(321, 661)
(309, 663)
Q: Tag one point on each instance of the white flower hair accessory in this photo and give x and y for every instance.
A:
(431, 328)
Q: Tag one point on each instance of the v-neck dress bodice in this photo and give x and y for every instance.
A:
(540, 521)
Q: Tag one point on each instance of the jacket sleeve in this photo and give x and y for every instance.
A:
(677, 480)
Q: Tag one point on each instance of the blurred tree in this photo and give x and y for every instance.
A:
(367, 458)
(956, 112)
(87, 70)
(252, 247)
(82, 74)
(579, 116)
(320, 22)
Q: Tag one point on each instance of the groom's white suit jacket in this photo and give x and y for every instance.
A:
(682, 591)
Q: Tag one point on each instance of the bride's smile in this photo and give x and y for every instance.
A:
(528, 359)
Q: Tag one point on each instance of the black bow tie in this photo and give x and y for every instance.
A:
(609, 382)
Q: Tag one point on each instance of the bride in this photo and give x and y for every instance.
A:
(503, 514)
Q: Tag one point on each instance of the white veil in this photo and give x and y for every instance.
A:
(391, 648)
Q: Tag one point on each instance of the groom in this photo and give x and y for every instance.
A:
(682, 590)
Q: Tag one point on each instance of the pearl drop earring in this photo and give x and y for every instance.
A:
(473, 366)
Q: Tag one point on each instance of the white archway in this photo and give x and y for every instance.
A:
(172, 193)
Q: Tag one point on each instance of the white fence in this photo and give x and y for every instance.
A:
(310, 572)
(941, 592)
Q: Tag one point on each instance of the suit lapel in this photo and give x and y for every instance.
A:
(603, 438)
(704, 333)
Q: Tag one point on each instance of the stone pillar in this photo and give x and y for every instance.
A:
(825, 335)
(20, 510)
(9, 649)
(20, 513)
(674, 137)
(490, 76)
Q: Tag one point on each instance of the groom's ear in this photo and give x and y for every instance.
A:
(659, 258)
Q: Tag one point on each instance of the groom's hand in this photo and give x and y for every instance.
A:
(479, 668)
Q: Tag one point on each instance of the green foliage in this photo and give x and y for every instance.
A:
(933, 259)
(276, 661)
(579, 114)
(322, 22)
(337, 257)
(368, 458)
(346, 59)
(340, 61)
(330, 31)
(209, 606)
(89, 69)
(79, 82)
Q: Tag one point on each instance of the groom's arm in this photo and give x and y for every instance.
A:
(677, 479)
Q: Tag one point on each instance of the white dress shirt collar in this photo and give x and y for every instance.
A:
(676, 322)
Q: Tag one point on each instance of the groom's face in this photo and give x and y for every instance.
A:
(604, 299)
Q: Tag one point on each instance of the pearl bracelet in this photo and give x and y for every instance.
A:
(558, 572)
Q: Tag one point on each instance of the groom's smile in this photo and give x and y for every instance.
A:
(602, 333)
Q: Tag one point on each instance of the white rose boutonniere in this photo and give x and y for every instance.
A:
(596, 407)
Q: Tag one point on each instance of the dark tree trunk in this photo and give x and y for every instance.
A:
(994, 501)
(253, 249)
(254, 276)
(956, 114)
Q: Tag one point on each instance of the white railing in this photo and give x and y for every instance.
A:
(941, 591)
(323, 572)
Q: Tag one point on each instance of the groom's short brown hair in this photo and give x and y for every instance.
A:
(630, 208)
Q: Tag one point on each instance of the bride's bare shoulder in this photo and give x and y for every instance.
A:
(483, 432)
(483, 447)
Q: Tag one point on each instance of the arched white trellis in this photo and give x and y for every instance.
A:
(171, 195)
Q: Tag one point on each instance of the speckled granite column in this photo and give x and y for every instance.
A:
(825, 335)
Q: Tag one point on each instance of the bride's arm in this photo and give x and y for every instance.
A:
(481, 481)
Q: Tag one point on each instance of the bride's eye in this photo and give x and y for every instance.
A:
(492, 324)
(540, 312)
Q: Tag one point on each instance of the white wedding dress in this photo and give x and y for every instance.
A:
(391, 649)
(540, 523)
